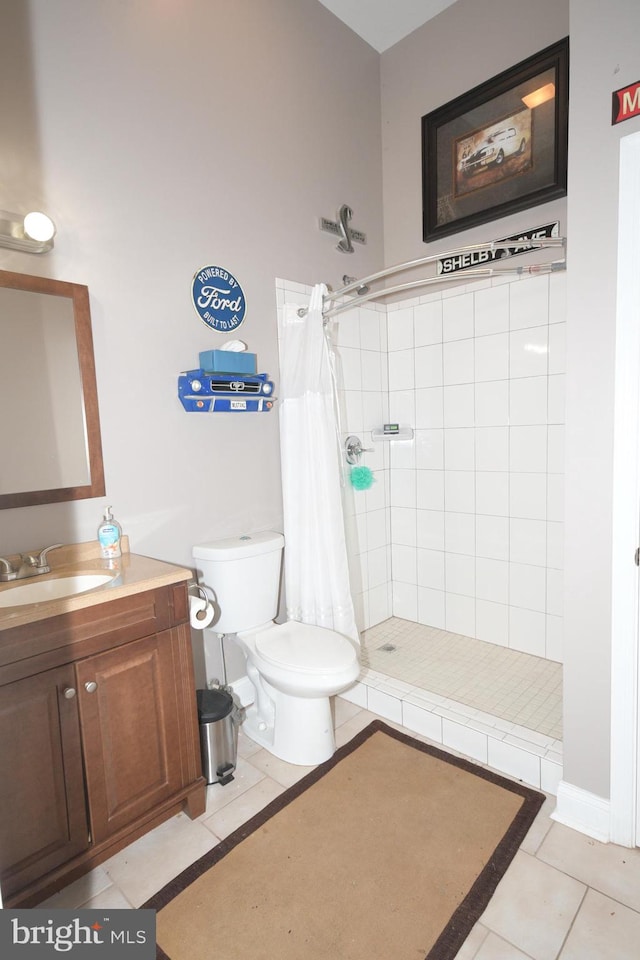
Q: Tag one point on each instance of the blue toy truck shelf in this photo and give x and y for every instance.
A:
(203, 391)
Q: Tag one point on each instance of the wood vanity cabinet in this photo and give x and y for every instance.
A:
(43, 817)
(99, 737)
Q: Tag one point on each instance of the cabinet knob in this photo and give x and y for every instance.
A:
(69, 693)
(91, 686)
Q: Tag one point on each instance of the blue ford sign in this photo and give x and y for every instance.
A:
(218, 298)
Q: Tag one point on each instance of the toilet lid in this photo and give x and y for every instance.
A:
(301, 646)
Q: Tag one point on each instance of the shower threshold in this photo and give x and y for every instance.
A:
(494, 704)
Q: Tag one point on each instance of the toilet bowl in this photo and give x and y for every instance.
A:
(294, 668)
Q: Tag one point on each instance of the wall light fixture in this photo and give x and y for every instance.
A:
(31, 234)
(541, 95)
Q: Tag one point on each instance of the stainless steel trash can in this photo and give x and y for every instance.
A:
(219, 717)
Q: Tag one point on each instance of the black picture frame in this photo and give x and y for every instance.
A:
(488, 154)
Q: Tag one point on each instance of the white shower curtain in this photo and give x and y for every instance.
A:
(316, 568)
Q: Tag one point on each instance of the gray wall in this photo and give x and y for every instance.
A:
(604, 57)
(463, 46)
(162, 137)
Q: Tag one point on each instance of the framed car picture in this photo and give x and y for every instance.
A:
(500, 148)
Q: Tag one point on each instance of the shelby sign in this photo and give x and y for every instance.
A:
(481, 258)
(626, 103)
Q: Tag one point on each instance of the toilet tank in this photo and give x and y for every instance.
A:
(244, 575)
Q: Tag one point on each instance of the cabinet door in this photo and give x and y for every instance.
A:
(43, 821)
(130, 731)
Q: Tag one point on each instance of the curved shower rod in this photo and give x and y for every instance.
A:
(546, 242)
(552, 267)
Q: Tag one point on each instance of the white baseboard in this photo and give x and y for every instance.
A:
(583, 811)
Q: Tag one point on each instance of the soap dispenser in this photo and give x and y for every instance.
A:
(109, 535)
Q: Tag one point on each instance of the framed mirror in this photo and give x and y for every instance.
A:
(50, 444)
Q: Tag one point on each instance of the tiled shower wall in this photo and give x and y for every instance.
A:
(475, 500)
(462, 528)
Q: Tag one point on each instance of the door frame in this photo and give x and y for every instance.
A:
(625, 595)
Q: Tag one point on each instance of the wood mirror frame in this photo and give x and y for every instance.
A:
(79, 297)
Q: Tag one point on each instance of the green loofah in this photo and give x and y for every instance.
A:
(361, 478)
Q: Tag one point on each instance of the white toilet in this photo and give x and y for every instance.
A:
(294, 667)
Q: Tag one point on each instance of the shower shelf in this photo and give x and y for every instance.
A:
(398, 433)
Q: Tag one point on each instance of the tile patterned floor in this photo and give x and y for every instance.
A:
(492, 704)
(514, 686)
(564, 897)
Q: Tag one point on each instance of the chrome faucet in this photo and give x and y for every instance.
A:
(6, 570)
(31, 565)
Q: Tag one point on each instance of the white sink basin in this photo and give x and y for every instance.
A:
(40, 591)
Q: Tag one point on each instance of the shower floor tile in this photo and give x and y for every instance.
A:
(517, 687)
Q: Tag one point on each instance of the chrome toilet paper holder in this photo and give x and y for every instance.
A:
(194, 588)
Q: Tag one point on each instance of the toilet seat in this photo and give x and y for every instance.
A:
(305, 648)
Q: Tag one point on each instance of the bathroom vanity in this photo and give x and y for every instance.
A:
(99, 737)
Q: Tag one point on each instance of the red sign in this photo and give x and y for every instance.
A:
(626, 103)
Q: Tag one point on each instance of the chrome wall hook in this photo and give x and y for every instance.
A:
(345, 213)
(342, 229)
